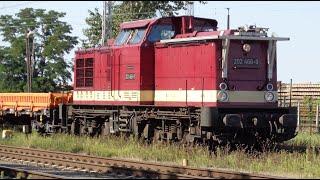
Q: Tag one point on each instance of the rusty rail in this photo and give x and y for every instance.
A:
(24, 174)
(111, 165)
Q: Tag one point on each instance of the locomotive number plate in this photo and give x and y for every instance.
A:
(246, 62)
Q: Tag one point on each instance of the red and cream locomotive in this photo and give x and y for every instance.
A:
(181, 79)
(173, 79)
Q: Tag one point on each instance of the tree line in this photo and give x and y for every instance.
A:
(51, 39)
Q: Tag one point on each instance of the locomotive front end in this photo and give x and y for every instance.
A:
(247, 98)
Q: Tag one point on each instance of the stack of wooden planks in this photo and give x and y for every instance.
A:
(306, 94)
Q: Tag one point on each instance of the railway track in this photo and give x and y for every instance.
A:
(102, 165)
(10, 172)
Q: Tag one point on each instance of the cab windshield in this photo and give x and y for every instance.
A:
(161, 32)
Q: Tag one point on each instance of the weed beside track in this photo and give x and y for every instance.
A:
(296, 165)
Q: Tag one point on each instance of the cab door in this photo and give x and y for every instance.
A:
(126, 56)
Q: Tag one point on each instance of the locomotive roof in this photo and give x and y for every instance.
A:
(145, 22)
(92, 49)
(138, 23)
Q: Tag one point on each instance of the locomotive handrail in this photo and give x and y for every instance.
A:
(255, 38)
(111, 72)
(231, 37)
(225, 54)
(272, 49)
(120, 56)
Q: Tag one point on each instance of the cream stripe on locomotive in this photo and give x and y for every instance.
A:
(122, 95)
(170, 96)
(210, 96)
(249, 96)
(183, 95)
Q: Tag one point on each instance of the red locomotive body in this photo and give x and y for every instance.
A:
(180, 78)
(190, 74)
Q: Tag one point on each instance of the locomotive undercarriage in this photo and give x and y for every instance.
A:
(186, 125)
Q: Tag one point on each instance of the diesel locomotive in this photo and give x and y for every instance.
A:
(175, 79)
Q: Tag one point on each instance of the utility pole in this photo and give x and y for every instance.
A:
(103, 32)
(28, 60)
(106, 21)
(109, 18)
(190, 10)
(228, 21)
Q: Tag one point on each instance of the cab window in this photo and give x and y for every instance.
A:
(137, 36)
(160, 32)
(204, 26)
(122, 37)
(130, 36)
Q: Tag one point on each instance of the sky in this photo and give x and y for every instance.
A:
(297, 59)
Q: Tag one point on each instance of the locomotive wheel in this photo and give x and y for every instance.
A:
(73, 127)
(157, 136)
(188, 139)
(83, 129)
(136, 127)
(106, 129)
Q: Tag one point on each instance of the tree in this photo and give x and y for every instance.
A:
(128, 11)
(11, 71)
(51, 41)
(94, 32)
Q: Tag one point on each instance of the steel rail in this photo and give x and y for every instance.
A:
(26, 174)
(128, 167)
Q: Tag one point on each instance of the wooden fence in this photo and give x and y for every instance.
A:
(304, 96)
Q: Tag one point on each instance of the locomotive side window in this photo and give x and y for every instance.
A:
(84, 72)
(160, 32)
(204, 26)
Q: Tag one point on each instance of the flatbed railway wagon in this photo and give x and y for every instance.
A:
(28, 108)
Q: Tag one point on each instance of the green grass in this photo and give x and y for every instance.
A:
(298, 165)
(305, 139)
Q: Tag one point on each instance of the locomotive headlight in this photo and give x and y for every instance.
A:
(222, 96)
(246, 47)
(269, 96)
(223, 86)
(269, 87)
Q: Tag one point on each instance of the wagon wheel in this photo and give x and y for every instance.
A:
(135, 126)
